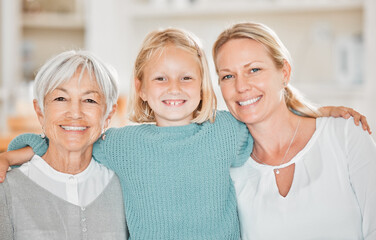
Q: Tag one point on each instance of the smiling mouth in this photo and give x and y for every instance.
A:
(250, 101)
(73, 128)
(174, 103)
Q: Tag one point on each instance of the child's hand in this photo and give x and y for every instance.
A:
(346, 112)
(4, 166)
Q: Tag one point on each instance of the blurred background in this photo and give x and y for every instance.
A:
(332, 42)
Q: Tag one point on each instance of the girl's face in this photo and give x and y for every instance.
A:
(251, 84)
(171, 86)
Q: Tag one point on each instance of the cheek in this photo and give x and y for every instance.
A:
(226, 91)
(51, 128)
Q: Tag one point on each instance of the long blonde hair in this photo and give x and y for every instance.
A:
(139, 110)
(278, 52)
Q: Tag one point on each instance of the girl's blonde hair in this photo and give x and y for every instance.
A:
(278, 52)
(139, 110)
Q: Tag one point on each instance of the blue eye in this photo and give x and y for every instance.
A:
(227, 77)
(253, 70)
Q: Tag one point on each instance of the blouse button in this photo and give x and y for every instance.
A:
(84, 229)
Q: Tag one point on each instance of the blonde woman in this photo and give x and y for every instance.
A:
(307, 177)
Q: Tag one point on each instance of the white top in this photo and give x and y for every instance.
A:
(333, 194)
(80, 189)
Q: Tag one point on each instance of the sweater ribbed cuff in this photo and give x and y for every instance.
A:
(38, 144)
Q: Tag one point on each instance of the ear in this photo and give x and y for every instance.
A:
(139, 89)
(286, 71)
(39, 112)
(109, 117)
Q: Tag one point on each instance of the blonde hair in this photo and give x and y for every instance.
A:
(139, 110)
(277, 51)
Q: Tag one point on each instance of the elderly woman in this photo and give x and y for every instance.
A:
(307, 177)
(65, 194)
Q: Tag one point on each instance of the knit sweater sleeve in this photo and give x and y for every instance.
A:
(104, 151)
(111, 150)
(234, 129)
(35, 141)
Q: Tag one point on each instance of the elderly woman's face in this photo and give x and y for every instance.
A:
(251, 84)
(74, 113)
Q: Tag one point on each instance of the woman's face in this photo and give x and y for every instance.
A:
(251, 84)
(74, 112)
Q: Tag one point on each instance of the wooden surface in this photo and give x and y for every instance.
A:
(5, 140)
(16, 126)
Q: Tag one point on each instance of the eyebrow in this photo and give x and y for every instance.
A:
(244, 66)
(85, 93)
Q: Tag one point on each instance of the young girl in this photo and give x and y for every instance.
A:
(174, 173)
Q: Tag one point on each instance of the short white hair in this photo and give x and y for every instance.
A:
(63, 66)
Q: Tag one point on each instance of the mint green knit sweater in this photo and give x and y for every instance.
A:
(176, 181)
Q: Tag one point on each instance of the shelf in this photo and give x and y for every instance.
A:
(145, 11)
(53, 20)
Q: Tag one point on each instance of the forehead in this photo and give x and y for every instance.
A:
(175, 53)
(243, 50)
(81, 81)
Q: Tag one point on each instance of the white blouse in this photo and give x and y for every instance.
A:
(80, 189)
(333, 194)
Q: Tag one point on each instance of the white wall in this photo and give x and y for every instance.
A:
(106, 35)
(10, 54)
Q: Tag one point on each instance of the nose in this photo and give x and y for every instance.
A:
(174, 86)
(75, 110)
(242, 84)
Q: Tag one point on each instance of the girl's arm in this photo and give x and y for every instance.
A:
(345, 112)
(37, 145)
(15, 157)
(26, 145)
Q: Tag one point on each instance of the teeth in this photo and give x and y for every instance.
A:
(250, 101)
(71, 128)
(174, 103)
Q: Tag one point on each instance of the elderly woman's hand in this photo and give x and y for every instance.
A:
(346, 112)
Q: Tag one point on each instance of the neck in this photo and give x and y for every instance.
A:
(68, 162)
(273, 136)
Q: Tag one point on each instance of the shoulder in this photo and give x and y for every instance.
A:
(102, 171)
(339, 127)
(127, 131)
(223, 115)
(11, 180)
(225, 119)
(344, 134)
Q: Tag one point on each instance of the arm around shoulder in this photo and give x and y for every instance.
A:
(239, 131)
(35, 141)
